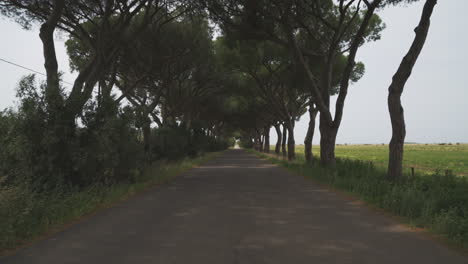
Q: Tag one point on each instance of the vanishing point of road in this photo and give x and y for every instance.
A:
(237, 209)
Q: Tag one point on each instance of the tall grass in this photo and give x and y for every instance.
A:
(25, 215)
(436, 202)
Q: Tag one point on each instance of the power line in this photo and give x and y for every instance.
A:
(29, 69)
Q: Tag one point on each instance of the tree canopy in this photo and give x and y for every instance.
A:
(168, 78)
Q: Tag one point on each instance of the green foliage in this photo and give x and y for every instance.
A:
(437, 202)
(172, 143)
(25, 137)
(103, 149)
(177, 142)
(246, 142)
(108, 150)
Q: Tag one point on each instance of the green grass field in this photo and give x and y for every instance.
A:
(424, 158)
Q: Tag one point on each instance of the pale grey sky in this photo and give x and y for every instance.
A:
(435, 97)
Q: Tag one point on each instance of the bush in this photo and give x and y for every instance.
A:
(104, 148)
(172, 143)
(177, 142)
(108, 149)
(246, 142)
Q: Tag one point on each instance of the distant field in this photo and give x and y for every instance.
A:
(424, 158)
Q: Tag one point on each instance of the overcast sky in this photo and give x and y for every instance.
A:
(435, 97)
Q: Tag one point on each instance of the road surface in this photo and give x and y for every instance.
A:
(237, 209)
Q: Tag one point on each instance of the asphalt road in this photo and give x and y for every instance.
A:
(237, 209)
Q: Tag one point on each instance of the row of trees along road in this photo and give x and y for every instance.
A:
(300, 53)
(147, 88)
(151, 79)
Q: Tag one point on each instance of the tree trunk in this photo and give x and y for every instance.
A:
(283, 143)
(291, 141)
(327, 129)
(279, 139)
(164, 115)
(327, 144)
(260, 142)
(396, 146)
(147, 139)
(84, 85)
(255, 143)
(266, 142)
(310, 133)
(52, 92)
(395, 159)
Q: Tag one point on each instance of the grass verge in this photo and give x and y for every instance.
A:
(437, 203)
(25, 216)
(424, 158)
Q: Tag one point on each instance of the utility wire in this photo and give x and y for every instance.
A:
(29, 69)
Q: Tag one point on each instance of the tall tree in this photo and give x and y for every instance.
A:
(310, 133)
(313, 31)
(101, 25)
(105, 27)
(395, 108)
(279, 138)
(348, 27)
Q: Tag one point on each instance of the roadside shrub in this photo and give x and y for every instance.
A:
(25, 156)
(108, 150)
(171, 143)
(176, 142)
(49, 156)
